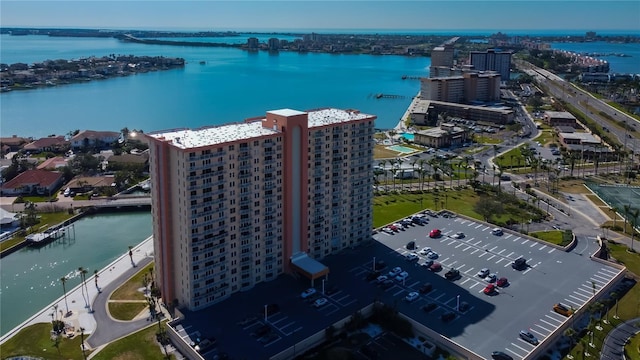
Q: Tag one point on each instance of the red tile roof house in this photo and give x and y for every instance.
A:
(53, 163)
(41, 182)
(13, 143)
(100, 139)
(52, 143)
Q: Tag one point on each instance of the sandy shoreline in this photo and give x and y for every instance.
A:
(400, 127)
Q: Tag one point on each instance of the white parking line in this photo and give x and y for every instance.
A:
(491, 257)
(459, 245)
(513, 352)
(358, 267)
(349, 303)
(573, 302)
(414, 284)
(485, 229)
(507, 264)
(400, 291)
(552, 250)
(543, 247)
(479, 225)
(474, 285)
(516, 239)
(606, 279)
(451, 265)
(577, 298)
(509, 256)
(538, 332)
(477, 242)
(474, 251)
(469, 239)
(493, 248)
(468, 271)
(548, 323)
(524, 242)
(452, 242)
(597, 281)
(559, 321)
(612, 272)
(526, 271)
(438, 298)
(335, 294)
(500, 260)
(483, 254)
(521, 348)
(588, 292)
(342, 298)
(500, 252)
(467, 248)
(332, 311)
(508, 236)
(465, 280)
(534, 244)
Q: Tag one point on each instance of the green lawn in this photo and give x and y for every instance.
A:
(627, 305)
(553, 236)
(129, 290)
(35, 341)
(139, 345)
(632, 349)
(126, 310)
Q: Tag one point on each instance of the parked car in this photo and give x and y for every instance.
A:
(435, 233)
(483, 272)
(489, 289)
(458, 235)
(380, 264)
(320, 302)
(464, 306)
(395, 271)
(387, 284)
(528, 337)
(412, 257)
(435, 267)
(433, 255)
(562, 309)
(425, 288)
(427, 263)
(497, 231)
(425, 251)
(411, 245)
(372, 275)
(491, 278)
(502, 282)
(412, 296)
(452, 274)
(382, 278)
(308, 293)
(448, 316)
(519, 264)
(499, 355)
(402, 276)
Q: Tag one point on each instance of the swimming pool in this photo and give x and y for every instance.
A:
(402, 149)
(408, 136)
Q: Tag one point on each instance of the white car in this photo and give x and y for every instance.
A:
(425, 251)
(395, 271)
(412, 257)
(496, 231)
(381, 279)
(412, 296)
(433, 255)
(320, 302)
(309, 292)
(458, 235)
(491, 278)
(483, 273)
(402, 276)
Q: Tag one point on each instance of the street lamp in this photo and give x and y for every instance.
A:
(457, 302)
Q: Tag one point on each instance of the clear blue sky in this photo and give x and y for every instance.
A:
(424, 15)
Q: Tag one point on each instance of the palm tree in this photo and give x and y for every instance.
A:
(627, 209)
(615, 215)
(422, 172)
(95, 278)
(81, 271)
(634, 219)
(63, 280)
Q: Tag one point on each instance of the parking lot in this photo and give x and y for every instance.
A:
(491, 322)
(477, 321)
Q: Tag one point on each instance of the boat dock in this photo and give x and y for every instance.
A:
(43, 238)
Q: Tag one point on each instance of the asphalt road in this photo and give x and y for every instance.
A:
(109, 329)
(613, 346)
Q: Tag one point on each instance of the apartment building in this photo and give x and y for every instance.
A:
(242, 203)
(492, 60)
(466, 88)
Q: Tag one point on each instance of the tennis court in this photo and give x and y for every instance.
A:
(617, 196)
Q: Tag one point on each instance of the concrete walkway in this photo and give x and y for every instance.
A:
(95, 320)
(613, 347)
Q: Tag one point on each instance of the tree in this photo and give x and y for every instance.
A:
(488, 207)
(95, 279)
(81, 273)
(634, 213)
(131, 255)
(63, 280)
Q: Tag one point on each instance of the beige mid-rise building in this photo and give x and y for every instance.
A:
(242, 203)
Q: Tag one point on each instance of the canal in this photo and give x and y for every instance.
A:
(30, 278)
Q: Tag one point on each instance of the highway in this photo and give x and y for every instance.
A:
(589, 105)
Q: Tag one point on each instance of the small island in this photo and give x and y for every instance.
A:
(21, 76)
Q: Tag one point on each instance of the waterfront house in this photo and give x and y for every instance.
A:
(13, 143)
(53, 163)
(54, 144)
(37, 182)
(91, 138)
(90, 183)
(445, 136)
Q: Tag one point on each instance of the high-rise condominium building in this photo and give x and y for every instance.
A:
(441, 57)
(493, 60)
(241, 203)
(466, 88)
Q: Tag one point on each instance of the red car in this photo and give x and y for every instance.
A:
(489, 289)
(435, 233)
(435, 267)
(502, 282)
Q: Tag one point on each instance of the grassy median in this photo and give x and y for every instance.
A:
(35, 341)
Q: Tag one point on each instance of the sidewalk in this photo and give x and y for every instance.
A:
(81, 315)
